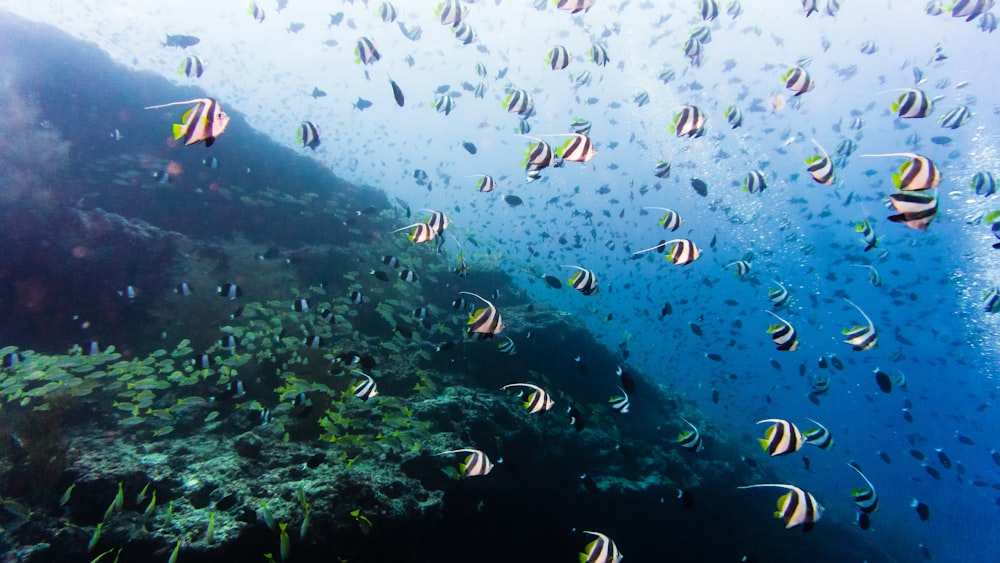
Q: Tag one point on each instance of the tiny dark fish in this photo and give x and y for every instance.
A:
(775, 364)
(666, 310)
(513, 200)
(700, 187)
(943, 458)
(442, 89)
(469, 147)
(362, 104)
(923, 511)
(864, 521)
(628, 384)
(885, 457)
(932, 472)
(182, 41)
(589, 484)
(575, 418)
(695, 329)
(552, 281)
(805, 462)
(941, 140)
(367, 363)
(715, 396)
(714, 357)
(964, 439)
(317, 93)
(397, 93)
(918, 455)
(380, 275)
(314, 461)
(883, 380)
(686, 498)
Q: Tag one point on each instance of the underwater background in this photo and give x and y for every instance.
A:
(216, 353)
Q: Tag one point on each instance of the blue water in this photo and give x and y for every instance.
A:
(928, 311)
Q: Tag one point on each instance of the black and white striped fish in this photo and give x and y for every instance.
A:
(365, 389)
(797, 80)
(918, 173)
(572, 6)
(308, 135)
(861, 337)
(558, 58)
(539, 156)
(443, 103)
(690, 439)
(865, 498)
(689, 122)
(913, 103)
(779, 296)
(204, 121)
(600, 550)
(740, 267)
(781, 438)
(754, 182)
(365, 52)
(193, 67)
(783, 334)
(620, 402)
(507, 346)
(796, 507)
(476, 464)
(465, 33)
(956, 117)
(671, 220)
(873, 276)
(583, 280)
(682, 253)
(537, 401)
(486, 183)
(662, 169)
(519, 101)
(599, 54)
(819, 436)
(451, 12)
(916, 209)
(820, 166)
(578, 149)
(485, 322)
